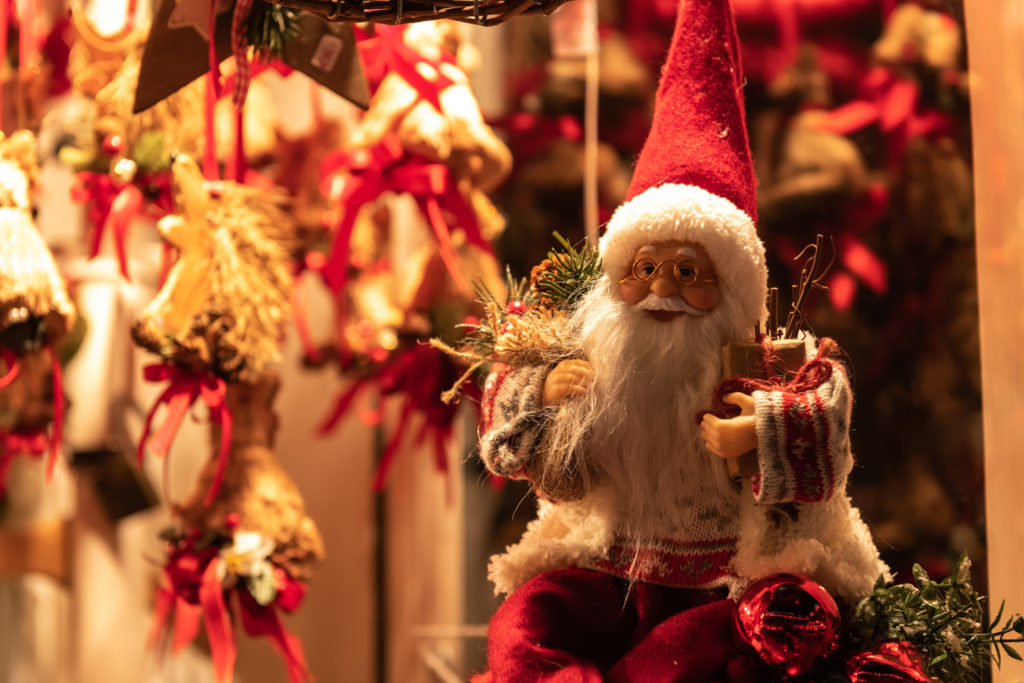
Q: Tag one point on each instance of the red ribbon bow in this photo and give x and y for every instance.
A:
(10, 359)
(193, 593)
(12, 444)
(419, 374)
(386, 167)
(183, 389)
(114, 205)
(35, 442)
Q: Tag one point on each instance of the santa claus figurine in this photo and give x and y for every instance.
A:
(643, 541)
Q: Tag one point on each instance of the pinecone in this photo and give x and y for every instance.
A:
(544, 271)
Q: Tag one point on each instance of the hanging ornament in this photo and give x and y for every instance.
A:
(221, 312)
(179, 48)
(791, 621)
(253, 541)
(35, 316)
(123, 159)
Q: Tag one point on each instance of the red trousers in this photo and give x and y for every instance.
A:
(583, 626)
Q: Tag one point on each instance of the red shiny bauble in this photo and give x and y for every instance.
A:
(515, 308)
(888, 663)
(790, 621)
(113, 145)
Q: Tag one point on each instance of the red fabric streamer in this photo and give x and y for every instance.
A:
(386, 167)
(12, 444)
(9, 358)
(57, 434)
(211, 169)
(183, 389)
(219, 630)
(258, 620)
(418, 374)
(5, 25)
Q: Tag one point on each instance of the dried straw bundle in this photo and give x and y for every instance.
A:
(540, 336)
(483, 12)
(239, 254)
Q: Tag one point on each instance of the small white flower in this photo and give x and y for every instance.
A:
(247, 555)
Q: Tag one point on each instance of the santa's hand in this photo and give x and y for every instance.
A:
(568, 378)
(731, 437)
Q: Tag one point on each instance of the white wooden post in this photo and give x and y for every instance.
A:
(995, 39)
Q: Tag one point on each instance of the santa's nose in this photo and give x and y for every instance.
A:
(664, 284)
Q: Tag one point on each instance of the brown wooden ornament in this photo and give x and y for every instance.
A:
(176, 56)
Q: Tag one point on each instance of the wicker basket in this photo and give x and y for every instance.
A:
(483, 12)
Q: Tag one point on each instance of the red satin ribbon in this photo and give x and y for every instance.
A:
(5, 24)
(57, 435)
(183, 389)
(386, 167)
(13, 444)
(386, 51)
(9, 358)
(258, 620)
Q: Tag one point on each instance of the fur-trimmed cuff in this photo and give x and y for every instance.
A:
(513, 420)
(803, 442)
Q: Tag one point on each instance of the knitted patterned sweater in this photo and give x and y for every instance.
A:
(793, 516)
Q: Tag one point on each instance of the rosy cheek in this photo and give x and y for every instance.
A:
(633, 292)
(702, 297)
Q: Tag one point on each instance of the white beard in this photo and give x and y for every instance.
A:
(636, 432)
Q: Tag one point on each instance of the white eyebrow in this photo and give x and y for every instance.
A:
(689, 252)
(646, 249)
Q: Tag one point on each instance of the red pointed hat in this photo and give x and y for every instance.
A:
(694, 180)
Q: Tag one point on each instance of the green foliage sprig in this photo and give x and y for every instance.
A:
(269, 27)
(944, 620)
(566, 276)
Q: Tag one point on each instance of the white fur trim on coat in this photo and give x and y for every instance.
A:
(691, 213)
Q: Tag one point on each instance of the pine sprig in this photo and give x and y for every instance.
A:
(566, 276)
(269, 27)
(944, 620)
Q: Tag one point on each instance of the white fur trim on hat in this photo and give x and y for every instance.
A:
(691, 213)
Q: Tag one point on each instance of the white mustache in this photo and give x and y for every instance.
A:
(674, 303)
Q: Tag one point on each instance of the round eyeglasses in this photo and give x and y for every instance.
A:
(645, 269)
